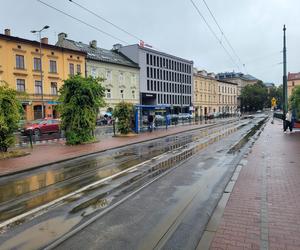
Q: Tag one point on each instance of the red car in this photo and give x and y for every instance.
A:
(42, 126)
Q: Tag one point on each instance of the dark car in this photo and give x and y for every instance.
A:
(42, 126)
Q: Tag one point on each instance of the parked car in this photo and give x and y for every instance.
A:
(185, 116)
(41, 126)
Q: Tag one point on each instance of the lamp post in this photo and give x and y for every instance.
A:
(285, 95)
(41, 68)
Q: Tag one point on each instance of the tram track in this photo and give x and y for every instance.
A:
(136, 177)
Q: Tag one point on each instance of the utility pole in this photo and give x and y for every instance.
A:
(285, 96)
(41, 67)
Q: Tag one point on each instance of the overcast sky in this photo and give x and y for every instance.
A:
(253, 27)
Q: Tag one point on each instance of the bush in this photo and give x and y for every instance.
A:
(294, 101)
(124, 113)
(9, 116)
(80, 100)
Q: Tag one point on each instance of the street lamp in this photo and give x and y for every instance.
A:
(41, 70)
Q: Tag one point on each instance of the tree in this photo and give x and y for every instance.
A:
(294, 101)
(124, 112)
(9, 116)
(254, 97)
(80, 100)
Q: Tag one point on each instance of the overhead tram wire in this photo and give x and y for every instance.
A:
(111, 23)
(105, 20)
(83, 22)
(215, 35)
(223, 34)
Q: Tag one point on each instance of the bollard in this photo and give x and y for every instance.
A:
(30, 138)
(114, 127)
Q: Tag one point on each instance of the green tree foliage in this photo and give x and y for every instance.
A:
(124, 112)
(254, 97)
(9, 116)
(80, 100)
(294, 101)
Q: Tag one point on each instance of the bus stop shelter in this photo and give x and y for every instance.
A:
(142, 111)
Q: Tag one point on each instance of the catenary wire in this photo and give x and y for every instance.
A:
(223, 34)
(105, 20)
(213, 32)
(83, 22)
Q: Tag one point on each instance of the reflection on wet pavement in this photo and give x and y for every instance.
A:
(25, 192)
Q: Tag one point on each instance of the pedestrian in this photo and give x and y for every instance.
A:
(288, 121)
(150, 122)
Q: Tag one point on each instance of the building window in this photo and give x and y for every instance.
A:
(53, 66)
(21, 85)
(93, 72)
(20, 62)
(53, 88)
(108, 75)
(71, 69)
(133, 94)
(133, 78)
(122, 93)
(108, 93)
(121, 77)
(37, 64)
(38, 87)
(78, 69)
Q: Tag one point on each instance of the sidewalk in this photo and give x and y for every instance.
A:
(50, 153)
(263, 211)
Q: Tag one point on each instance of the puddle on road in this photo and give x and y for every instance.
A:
(28, 192)
(40, 234)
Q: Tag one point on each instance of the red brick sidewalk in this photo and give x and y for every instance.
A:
(263, 211)
(45, 154)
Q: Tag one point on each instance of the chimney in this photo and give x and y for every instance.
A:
(62, 36)
(93, 44)
(117, 46)
(44, 40)
(7, 32)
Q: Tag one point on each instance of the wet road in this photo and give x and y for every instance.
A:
(22, 192)
(47, 184)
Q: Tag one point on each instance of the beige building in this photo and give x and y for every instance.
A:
(240, 79)
(120, 73)
(205, 93)
(227, 97)
(293, 81)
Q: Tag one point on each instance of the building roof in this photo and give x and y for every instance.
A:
(232, 83)
(151, 49)
(240, 75)
(98, 54)
(269, 84)
(293, 76)
(36, 43)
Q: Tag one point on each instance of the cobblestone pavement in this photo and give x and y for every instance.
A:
(263, 211)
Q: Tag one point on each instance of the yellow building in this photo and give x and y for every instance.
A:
(205, 93)
(20, 68)
(293, 81)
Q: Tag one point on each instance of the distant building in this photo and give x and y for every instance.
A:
(293, 81)
(227, 97)
(212, 95)
(241, 79)
(164, 78)
(205, 93)
(120, 73)
(20, 68)
(269, 85)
